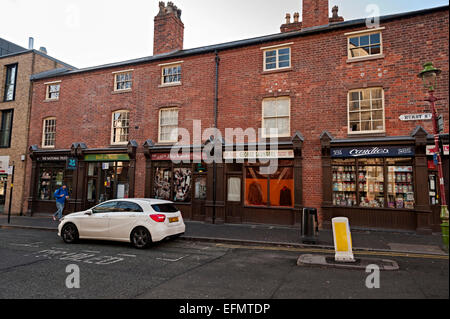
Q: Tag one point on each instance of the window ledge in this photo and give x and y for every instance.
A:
(277, 71)
(368, 134)
(366, 58)
(169, 85)
(166, 143)
(121, 91)
(50, 100)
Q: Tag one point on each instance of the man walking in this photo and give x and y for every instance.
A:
(61, 195)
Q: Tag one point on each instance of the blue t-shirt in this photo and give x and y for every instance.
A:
(60, 191)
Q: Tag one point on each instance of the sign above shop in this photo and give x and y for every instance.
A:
(52, 158)
(416, 117)
(270, 154)
(374, 151)
(106, 157)
(4, 163)
(431, 149)
(176, 157)
(72, 164)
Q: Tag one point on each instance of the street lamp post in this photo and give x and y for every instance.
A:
(429, 76)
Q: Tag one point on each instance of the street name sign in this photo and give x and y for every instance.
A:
(416, 117)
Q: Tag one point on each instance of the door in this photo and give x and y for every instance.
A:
(198, 202)
(234, 199)
(3, 188)
(123, 220)
(96, 225)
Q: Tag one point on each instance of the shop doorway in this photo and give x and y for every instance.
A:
(234, 199)
(106, 181)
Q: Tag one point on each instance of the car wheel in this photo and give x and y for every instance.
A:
(69, 233)
(141, 238)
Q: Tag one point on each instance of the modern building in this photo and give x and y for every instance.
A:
(17, 64)
(334, 90)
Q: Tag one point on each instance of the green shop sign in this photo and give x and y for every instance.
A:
(106, 157)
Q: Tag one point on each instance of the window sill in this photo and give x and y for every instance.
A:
(121, 91)
(50, 100)
(166, 143)
(366, 58)
(169, 85)
(48, 147)
(368, 134)
(277, 71)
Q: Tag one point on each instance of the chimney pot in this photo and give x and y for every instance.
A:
(30, 43)
(296, 17)
(43, 50)
(288, 18)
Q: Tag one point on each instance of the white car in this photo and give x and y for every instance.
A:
(139, 221)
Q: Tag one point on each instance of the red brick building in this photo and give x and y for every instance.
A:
(334, 89)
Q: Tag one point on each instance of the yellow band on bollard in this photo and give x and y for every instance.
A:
(342, 239)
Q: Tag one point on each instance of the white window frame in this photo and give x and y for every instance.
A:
(47, 90)
(113, 128)
(171, 65)
(348, 112)
(116, 74)
(159, 124)
(288, 134)
(277, 48)
(44, 126)
(360, 34)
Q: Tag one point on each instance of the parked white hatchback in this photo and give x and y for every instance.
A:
(139, 221)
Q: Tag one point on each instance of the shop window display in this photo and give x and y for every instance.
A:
(163, 180)
(182, 178)
(362, 183)
(371, 183)
(344, 183)
(200, 188)
(400, 185)
(50, 179)
(275, 190)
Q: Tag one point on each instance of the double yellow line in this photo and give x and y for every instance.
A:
(330, 251)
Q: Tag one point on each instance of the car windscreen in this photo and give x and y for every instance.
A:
(165, 208)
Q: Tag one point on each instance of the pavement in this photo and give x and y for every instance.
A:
(363, 240)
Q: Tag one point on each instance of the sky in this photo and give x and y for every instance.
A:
(86, 33)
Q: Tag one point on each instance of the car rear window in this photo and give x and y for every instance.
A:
(165, 208)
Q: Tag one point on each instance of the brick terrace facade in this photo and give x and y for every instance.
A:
(317, 83)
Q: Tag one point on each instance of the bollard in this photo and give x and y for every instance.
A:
(342, 240)
(310, 226)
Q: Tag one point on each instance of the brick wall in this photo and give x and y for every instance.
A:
(28, 63)
(318, 84)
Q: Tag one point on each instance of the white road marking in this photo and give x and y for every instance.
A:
(126, 255)
(28, 245)
(172, 260)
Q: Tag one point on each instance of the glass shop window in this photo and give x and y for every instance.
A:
(273, 190)
(400, 186)
(371, 182)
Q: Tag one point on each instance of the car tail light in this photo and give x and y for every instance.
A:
(159, 218)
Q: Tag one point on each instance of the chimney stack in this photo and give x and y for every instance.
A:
(315, 13)
(169, 29)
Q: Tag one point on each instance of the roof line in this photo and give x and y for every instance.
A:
(245, 42)
(41, 54)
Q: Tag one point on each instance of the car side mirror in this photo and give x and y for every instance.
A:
(89, 212)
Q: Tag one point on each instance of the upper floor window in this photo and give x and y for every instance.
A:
(276, 117)
(364, 44)
(6, 128)
(10, 83)
(123, 80)
(120, 127)
(366, 111)
(171, 73)
(49, 132)
(276, 58)
(168, 125)
(53, 90)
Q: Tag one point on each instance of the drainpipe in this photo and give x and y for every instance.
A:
(216, 104)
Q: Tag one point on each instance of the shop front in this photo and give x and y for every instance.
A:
(91, 176)
(377, 183)
(178, 178)
(257, 184)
